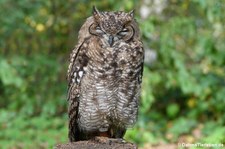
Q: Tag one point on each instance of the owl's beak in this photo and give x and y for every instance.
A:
(111, 40)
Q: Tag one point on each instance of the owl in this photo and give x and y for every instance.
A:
(104, 76)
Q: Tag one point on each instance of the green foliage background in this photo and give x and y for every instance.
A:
(183, 90)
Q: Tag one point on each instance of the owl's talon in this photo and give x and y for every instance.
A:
(109, 140)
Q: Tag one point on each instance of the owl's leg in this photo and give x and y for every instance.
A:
(117, 132)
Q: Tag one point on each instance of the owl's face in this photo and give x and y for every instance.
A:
(112, 26)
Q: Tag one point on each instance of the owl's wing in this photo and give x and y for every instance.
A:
(73, 76)
(78, 60)
(72, 59)
(140, 67)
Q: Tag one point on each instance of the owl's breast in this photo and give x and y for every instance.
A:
(110, 88)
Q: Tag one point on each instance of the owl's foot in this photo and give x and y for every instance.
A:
(120, 140)
(109, 140)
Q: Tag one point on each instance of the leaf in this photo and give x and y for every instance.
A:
(8, 74)
(172, 110)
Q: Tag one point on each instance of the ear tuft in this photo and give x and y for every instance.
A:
(131, 13)
(95, 11)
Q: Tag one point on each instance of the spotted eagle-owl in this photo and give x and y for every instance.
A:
(104, 76)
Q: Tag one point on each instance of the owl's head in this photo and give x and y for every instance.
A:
(113, 26)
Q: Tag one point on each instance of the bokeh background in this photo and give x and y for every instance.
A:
(183, 95)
